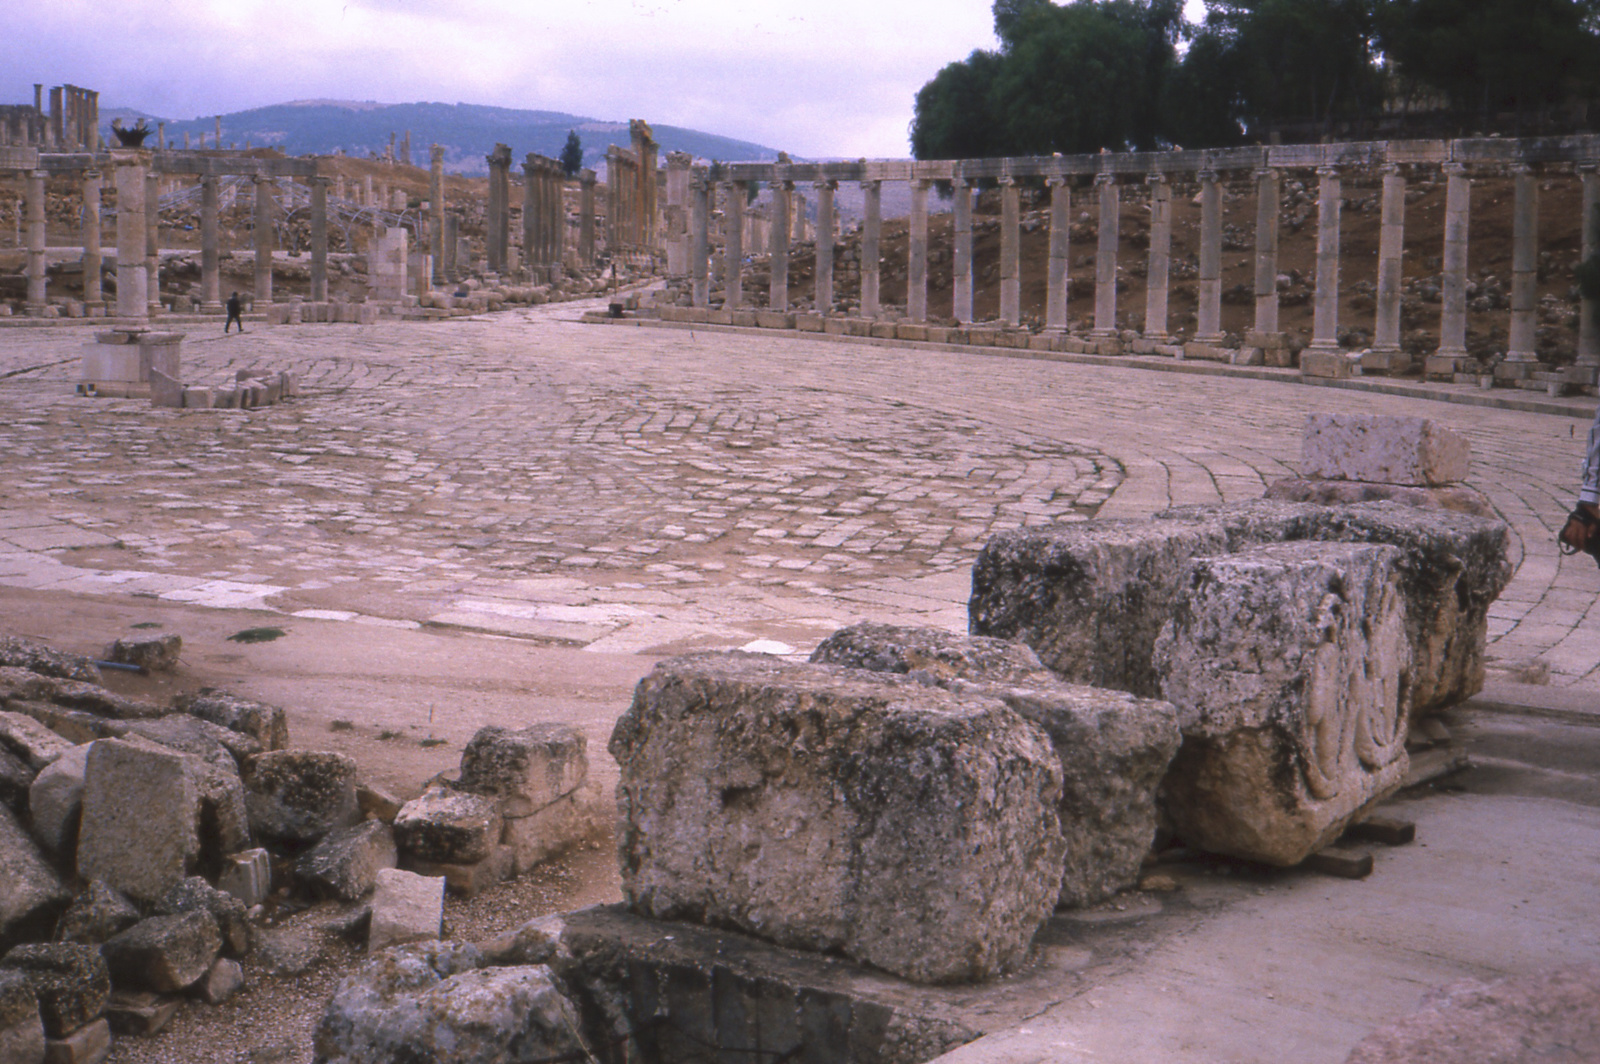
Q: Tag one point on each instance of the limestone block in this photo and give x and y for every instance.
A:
(96, 915)
(247, 876)
(1455, 497)
(268, 725)
(165, 391)
(446, 825)
(21, 1032)
(70, 981)
(196, 895)
(1383, 449)
(159, 653)
(1294, 722)
(1333, 364)
(222, 981)
(1114, 747)
(17, 652)
(1088, 597)
(16, 778)
(31, 741)
(163, 954)
(89, 1044)
(210, 743)
(106, 363)
(345, 863)
(300, 795)
(139, 1012)
(466, 880)
(526, 769)
(377, 803)
(140, 822)
(555, 828)
(406, 907)
(74, 725)
(55, 800)
(908, 827)
(442, 1003)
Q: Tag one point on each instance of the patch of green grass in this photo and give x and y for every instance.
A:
(257, 635)
(146, 624)
(340, 725)
(431, 741)
(388, 734)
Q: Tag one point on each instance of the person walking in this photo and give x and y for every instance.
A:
(234, 309)
(1582, 530)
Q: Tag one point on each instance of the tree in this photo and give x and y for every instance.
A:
(952, 117)
(572, 154)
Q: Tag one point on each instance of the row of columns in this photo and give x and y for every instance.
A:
(1385, 350)
(544, 217)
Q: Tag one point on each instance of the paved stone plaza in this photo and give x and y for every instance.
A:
(656, 489)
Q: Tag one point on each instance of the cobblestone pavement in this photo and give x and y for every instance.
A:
(656, 489)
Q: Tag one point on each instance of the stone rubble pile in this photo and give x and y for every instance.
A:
(143, 846)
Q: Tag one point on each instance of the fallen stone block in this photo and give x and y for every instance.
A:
(195, 895)
(88, 1045)
(140, 829)
(212, 743)
(224, 979)
(345, 863)
(1114, 747)
(165, 391)
(199, 398)
(16, 779)
(55, 800)
(71, 983)
(31, 894)
(1294, 724)
(74, 725)
(526, 769)
(21, 1032)
(158, 653)
(247, 876)
(300, 795)
(95, 915)
(1455, 497)
(163, 954)
(1383, 448)
(377, 803)
(920, 833)
(446, 1006)
(36, 657)
(139, 1012)
(406, 907)
(448, 826)
(557, 827)
(267, 725)
(31, 741)
(23, 684)
(466, 880)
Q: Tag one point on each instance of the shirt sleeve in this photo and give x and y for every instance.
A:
(1590, 492)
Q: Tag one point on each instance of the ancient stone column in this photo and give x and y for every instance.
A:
(1588, 328)
(435, 209)
(871, 229)
(262, 236)
(586, 183)
(1453, 274)
(677, 217)
(1209, 328)
(319, 239)
(93, 298)
(498, 222)
(961, 259)
(778, 293)
(1386, 355)
(1058, 274)
(801, 223)
(917, 254)
(1522, 344)
(1159, 271)
(210, 249)
(533, 212)
(1325, 312)
(1105, 261)
(36, 243)
(452, 247)
(132, 281)
(823, 293)
(1010, 252)
(152, 242)
(1267, 194)
(733, 245)
(699, 240)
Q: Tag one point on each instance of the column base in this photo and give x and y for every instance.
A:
(36, 310)
(1386, 362)
(1515, 369)
(1445, 363)
(1328, 361)
(211, 308)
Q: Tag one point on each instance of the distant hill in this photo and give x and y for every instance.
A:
(467, 132)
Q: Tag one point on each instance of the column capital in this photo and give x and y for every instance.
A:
(1266, 171)
(871, 186)
(1056, 180)
(785, 184)
(1207, 176)
(921, 183)
(959, 182)
(38, 175)
(1389, 169)
(316, 181)
(92, 174)
(1102, 179)
(1586, 169)
(436, 153)
(1327, 171)
(1521, 168)
(1453, 168)
(829, 185)
(1006, 181)
(1155, 177)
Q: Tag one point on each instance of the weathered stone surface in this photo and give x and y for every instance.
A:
(526, 769)
(1290, 668)
(71, 982)
(442, 824)
(21, 684)
(224, 979)
(1550, 1017)
(15, 780)
(407, 1004)
(1088, 597)
(139, 1012)
(300, 795)
(928, 653)
(31, 895)
(377, 803)
(289, 950)
(536, 941)
(247, 876)
(1114, 747)
(74, 725)
(55, 800)
(557, 827)
(267, 725)
(199, 738)
(1384, 449)
(140, 829)
(466, 880)
(196, 895)
(405, 908)
(345, 863)
(95, 915)
(1457, 498)
(21, 1032)
(36, 657)
(30, 740)
(908, 827)
(163, 954)
(158, 653)
(89, 1044)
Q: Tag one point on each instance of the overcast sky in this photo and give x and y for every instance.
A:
(813, 77)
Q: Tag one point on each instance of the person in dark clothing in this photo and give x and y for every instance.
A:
(234, 309)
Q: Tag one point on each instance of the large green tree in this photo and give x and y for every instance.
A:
(572, 154)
